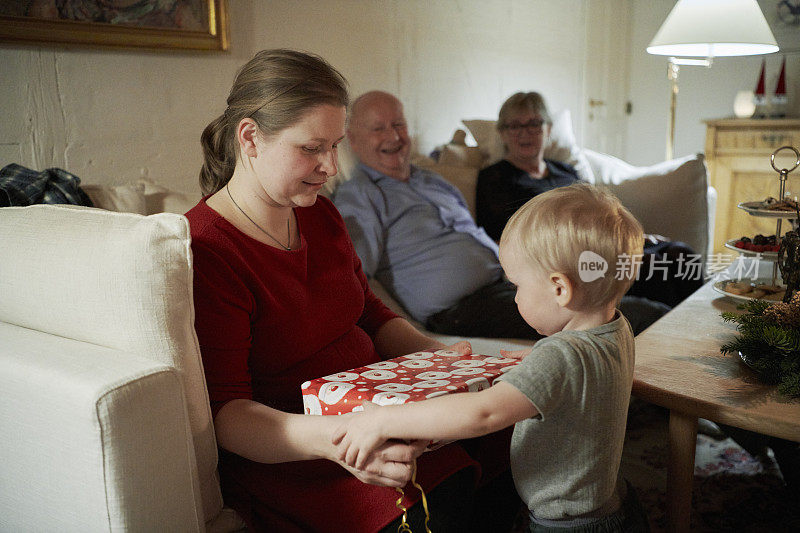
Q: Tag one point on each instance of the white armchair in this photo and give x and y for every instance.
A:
(103, 404)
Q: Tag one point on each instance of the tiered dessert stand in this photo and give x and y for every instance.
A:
(759, 209)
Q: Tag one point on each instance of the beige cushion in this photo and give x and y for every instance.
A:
(123, 198)
(118, 280)
(160, 199)
(145, 197)
(462, 156)
(465, 179)
(669, 198)
(561, 146)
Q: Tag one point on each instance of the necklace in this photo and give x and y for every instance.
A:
(268, 234)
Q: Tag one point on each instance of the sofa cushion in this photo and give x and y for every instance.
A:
(461, 156)
(669, 198)
(561, 146)
(145, 197)
(465, 179)
(118, 280)
(123, 198)
(160, 199)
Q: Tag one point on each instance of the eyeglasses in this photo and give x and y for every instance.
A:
(532, 126)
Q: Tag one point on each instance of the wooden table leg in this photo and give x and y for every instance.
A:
(680, 470)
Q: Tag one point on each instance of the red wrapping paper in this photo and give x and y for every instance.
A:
(409, 378)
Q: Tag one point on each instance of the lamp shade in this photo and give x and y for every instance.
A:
(714, 28)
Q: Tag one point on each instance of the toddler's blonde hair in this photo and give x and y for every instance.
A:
(554, 228)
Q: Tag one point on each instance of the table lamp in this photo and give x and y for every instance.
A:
(697, 31)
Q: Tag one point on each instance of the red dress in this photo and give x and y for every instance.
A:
(268, 320)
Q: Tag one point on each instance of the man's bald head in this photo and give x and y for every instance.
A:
(368, 100)
(378, 134)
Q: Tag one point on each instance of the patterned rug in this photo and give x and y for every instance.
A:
(733, 491)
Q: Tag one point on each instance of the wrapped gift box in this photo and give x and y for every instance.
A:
(409, 378)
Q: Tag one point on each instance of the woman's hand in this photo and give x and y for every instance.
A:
(462, 347)
(390, 465)
(515, 354)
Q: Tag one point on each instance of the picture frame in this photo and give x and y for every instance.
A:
(145, 24)
(783, 18)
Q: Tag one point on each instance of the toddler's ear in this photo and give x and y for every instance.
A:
(563, 288)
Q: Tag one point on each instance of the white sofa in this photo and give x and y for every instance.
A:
(671, 198)
(103, 406)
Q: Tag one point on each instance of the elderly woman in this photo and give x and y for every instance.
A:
(524, 125)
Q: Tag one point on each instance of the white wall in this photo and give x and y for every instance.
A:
(703, 93)
(110, 116)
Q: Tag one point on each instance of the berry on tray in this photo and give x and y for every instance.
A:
(758, 244)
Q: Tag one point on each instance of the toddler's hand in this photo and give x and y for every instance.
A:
(391, 465)
(358, 436)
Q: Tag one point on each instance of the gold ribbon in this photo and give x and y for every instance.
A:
(404, 527)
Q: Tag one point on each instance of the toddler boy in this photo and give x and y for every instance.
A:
(572, 253)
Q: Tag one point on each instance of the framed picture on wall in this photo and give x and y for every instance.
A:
(153, 24)
(783, 17)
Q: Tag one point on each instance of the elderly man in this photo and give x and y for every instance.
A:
(414, 234)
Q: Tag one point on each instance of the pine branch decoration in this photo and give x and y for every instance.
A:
(769, 339)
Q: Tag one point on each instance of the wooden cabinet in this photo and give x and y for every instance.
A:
(738, 157)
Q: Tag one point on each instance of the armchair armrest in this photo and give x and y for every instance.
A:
(92, 436)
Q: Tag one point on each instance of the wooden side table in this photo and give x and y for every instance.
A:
(737, 154)
(679, 366)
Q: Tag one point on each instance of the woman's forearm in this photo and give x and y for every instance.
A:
(266, 435)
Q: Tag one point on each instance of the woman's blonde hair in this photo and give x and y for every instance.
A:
(276, 88)
(561, 230)
(532, 101)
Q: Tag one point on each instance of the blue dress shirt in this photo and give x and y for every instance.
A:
(417, 238)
